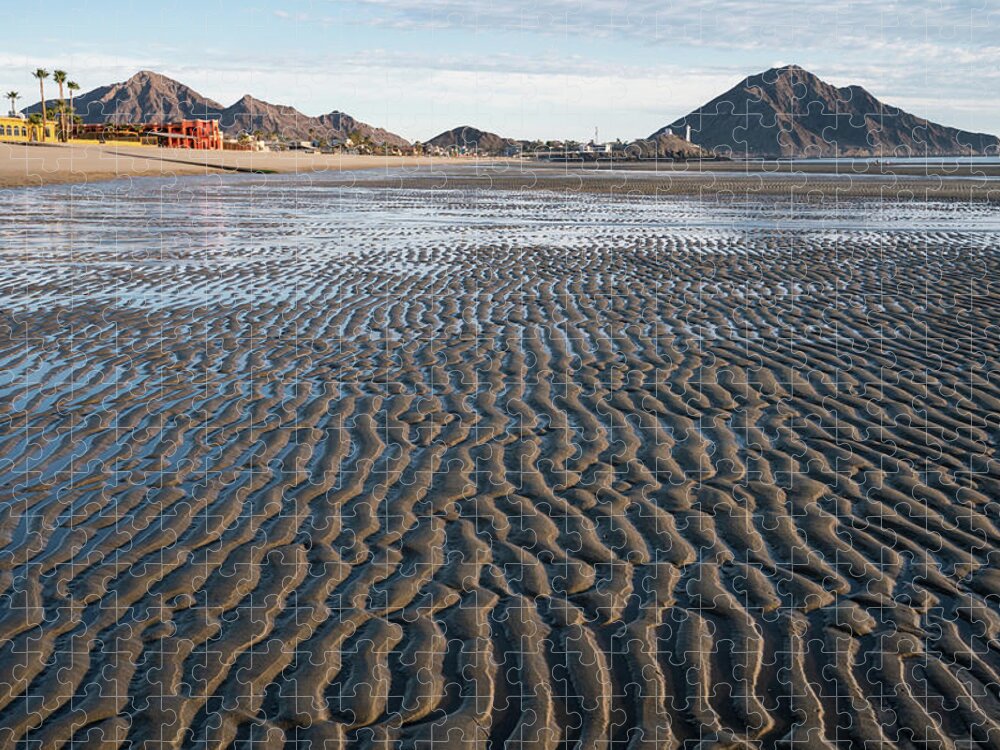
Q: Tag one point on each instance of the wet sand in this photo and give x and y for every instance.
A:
(290, 465)
(931, 167)
(803, 180)
(798, 181)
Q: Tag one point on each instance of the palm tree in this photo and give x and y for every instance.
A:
(73, 87)
(58, 112)
(35, 120)
(13, 96)
(41, 74)
(59, 76)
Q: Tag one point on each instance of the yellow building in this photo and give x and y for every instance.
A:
(21, 130)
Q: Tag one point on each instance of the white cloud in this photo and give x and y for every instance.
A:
(729, 23)
(638, 65)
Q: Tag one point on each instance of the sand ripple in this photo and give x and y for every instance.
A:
(305, 467)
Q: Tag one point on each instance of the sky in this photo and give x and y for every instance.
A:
(521, 68)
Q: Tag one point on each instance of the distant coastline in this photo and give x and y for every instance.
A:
(39, 165)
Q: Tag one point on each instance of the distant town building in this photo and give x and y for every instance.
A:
(196, 134)
(19, 129)
(189, 134)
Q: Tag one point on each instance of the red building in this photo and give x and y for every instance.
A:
(199, 134)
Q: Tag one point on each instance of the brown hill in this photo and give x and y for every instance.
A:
(471, 139)
(250, 115)
(343, 124)
(151, 97)
(791, 112)
(665, 146)
(145, 97)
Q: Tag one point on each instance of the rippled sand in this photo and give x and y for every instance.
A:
(293, 466)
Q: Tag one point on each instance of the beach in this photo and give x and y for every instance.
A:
(51, 164)
(39, 165)
(393, 460)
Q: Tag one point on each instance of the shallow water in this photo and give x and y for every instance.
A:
(84, 245)
(358, 467)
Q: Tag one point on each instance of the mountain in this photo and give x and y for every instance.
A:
(344, 124)
(249, 114)
(789, 111)
(151, 97)
(145, 97)
(471, 139)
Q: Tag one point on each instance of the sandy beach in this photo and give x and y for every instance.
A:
(36, 165)
(54, 164)
(297, 465)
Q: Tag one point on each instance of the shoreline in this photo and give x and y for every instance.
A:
(695, 183)
(38, 165)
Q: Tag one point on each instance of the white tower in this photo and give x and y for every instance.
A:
(687, 134)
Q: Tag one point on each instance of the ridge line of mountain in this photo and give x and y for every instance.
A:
(781, 112)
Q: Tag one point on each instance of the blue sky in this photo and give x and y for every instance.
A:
(527, 69)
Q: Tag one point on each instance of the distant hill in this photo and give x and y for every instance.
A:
(789, 111)
(145, 97)
(250, 114)
(151, 97)
(472, 139)
(666, 146)
(344, 124)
